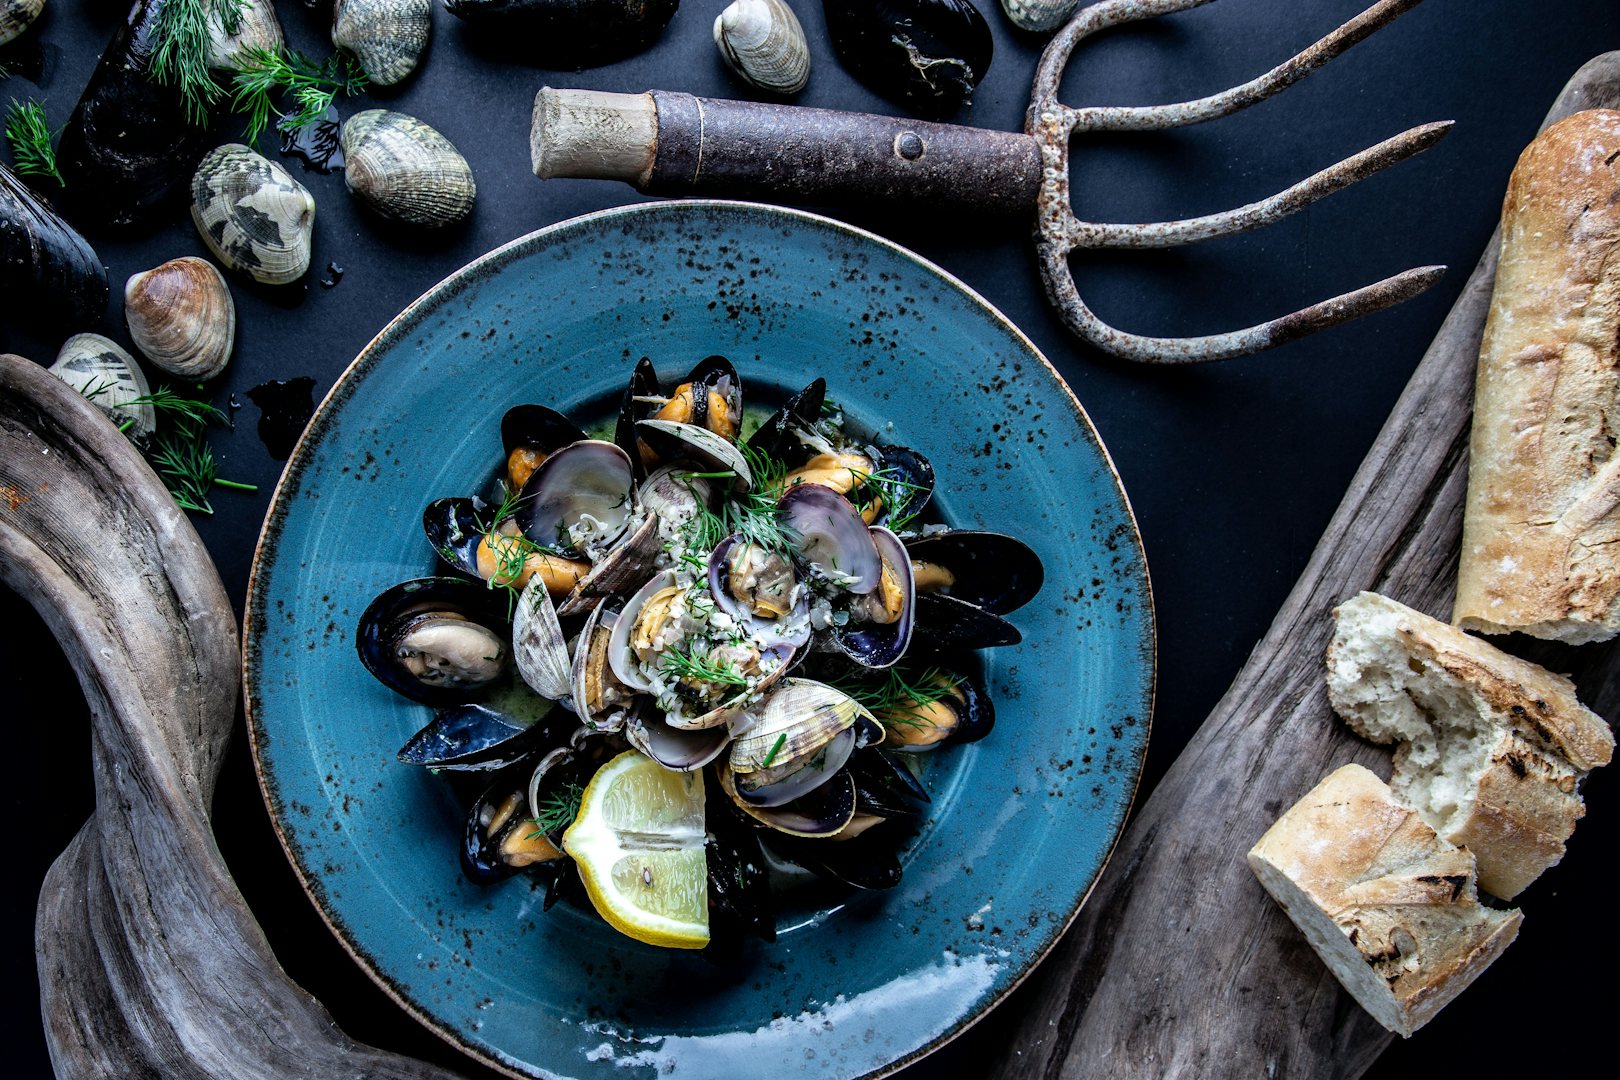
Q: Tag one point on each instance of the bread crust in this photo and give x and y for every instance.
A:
(1541, 530)
(1390, 907)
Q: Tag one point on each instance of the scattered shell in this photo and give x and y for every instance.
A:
(764, 43)
(17, 16)
(405, 170)
(1039, 15)
(257, 28)
(49, 274)
(252, 214)
(182, 318)
(386, 36)
(97, 368)
(928, 55)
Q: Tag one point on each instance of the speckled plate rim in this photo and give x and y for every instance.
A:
(446, 290)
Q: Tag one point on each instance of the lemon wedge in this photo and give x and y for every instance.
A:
(638, 842)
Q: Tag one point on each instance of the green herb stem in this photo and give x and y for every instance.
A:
(29, 134)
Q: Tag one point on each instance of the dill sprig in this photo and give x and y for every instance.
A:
(902, 497)
(182, 455)
(29, 134)
(312, 87)
(752, 514)
(556, 811)
(691, 665)
(899, 700)
(164, 399)
(181, 48)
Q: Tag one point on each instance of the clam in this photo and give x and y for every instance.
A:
(764, 43)
(386, 36)
(252, 214)
(405, 170)
(182, 318)
(1039, 15)
(254, 26)
(17, 16)
(680, 749)
(580, 499)
(830, 538)
(805, 732)
(103, 372)
(538, 646)
(926, 54)
(600, 700)
(48, 272)
(878, 631)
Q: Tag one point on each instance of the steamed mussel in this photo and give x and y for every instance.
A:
(750, 601)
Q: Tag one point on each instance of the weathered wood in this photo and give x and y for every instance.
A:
(150, 963)
(1179, 965)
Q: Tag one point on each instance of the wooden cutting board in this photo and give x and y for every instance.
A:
(1179, 964)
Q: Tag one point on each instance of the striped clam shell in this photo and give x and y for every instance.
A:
(102, 371)
(17, 16)
(256, 28)
(386, 36)
(181, 317)
(763, 42)
(405, 170)
(1039, 15)
(252, 214)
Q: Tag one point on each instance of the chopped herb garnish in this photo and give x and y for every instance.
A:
(752, 514)
(556, 811)
(776, 748)
(312, 86)
(182, 455)
(899, 700)
(690, 665)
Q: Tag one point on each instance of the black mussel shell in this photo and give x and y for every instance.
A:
(49, 274)
(709, 374)
(476, 737)
(129, 149)
(455, 527)
(925, 54)
(945, 623)
(995, 572)
(634, 407)
(537, 428)
(885, 786)
(774, 436)
(394, 607)
(908, 484)
(564, 884)
(868, 861)
(502, 809)
(739, 880)
(568, 33)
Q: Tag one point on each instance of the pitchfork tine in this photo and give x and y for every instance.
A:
(1161, 234)
(1059, 231)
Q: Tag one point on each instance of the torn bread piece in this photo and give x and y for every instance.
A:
(1390, 907)
(1490, 749)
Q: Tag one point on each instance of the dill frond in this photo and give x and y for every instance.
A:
(556, 811)
(312, 87)
(180, 50)
(30, 137)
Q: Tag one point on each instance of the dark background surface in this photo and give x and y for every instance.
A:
(1233, 469)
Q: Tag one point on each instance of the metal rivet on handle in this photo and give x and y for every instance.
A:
(909, 145)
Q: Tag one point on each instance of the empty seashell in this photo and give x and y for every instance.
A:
(252, 214)
(386, 36)
(405, 170)
(1039, 15)
(181, 317)
(103, 372)
(256, 28)
(17, 16)
(764, 43)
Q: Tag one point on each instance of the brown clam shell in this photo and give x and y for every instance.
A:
(181, 317)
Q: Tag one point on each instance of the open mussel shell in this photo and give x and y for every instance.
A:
(1039, 15)
(49, 274)
(674, 441)
(709, 398)
(385, 36)
(257, 28)
(102, 371)
(501, 838)
(739, 877)
(480, 737)
(762, 41)
(570, 33)
(990, 570)
(455, 527)
(252, 214)
(885, 786)
(437, 640)
(528, 434)
(182, 318)
(636, 404)
(830, 538)
(963, 713)
(868, 860)
(17, 16)
(907, 485)
(680, 749)
(580, 497)
(928, 55)
(880, 625)
(775, 436)
(945, 623)
(406, 171)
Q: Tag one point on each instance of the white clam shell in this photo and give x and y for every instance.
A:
(386, 36)
(764, 43)
(1039, 15)
(256, 28)
(181, 317)
(102, 371)
(405, 170)
(17, 16)
(252, 214)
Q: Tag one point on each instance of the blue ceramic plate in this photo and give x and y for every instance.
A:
(1021, 823)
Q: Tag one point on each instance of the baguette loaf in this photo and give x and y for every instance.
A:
(1539, 552)
(1389, 906)
(1491, 749)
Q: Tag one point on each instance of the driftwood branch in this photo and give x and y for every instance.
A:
(150, 962)
(1139, 986)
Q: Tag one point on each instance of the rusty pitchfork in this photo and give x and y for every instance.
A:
(672, 143)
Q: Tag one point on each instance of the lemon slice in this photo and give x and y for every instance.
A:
(638, 841)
